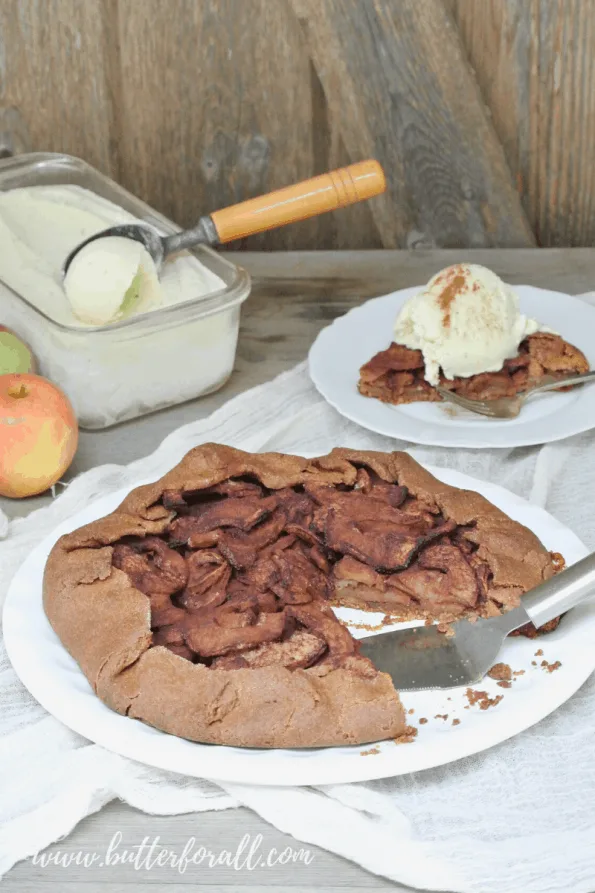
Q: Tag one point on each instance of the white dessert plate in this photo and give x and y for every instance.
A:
(351, 340)
(56, 681)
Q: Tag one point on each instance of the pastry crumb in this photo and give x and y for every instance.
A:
(474, 696)
(518, 673)
(422, 720)
(367, 753)
(500, 671)
(481, 698)
(539, 653)
(551, 667)
(409, 733)
(505, 683)
(411, 711)
(490, 702)
(441, 716)
(533, 663)
(355, 624)
(446, 629)
(456, 722)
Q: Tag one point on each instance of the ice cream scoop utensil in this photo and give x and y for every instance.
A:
(510, 407)
(423, 658)
(330, 191)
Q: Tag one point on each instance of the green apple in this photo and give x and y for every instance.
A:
(15, 355)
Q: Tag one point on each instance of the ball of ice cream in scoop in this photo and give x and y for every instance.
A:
(465, 321)
(109, 278)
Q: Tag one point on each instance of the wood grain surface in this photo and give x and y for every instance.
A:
(52, 69)
(446, 169)
(482, 111)
(535, 64)
(223, 115)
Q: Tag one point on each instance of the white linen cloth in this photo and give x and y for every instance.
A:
(518, 817)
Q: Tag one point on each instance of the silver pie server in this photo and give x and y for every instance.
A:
(423, 658)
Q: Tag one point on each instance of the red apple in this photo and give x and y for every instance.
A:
(38, 435)
(15, 355)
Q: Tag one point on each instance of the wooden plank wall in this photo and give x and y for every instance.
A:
(481, 111)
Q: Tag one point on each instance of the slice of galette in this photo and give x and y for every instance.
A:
(397, 375)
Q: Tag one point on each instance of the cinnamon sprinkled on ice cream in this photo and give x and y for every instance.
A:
(465, 321)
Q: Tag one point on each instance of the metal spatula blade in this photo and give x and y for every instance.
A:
(423, 658)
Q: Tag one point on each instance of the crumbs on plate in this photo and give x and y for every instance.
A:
(408, 735)
(500, 671)
(551, 667)
(481, 698)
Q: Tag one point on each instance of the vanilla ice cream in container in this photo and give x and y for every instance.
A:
(153, 340)
(465, 321)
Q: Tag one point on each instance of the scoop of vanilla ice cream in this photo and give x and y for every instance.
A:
(110, 278)
(465, 321)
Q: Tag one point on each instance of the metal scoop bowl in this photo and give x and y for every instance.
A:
(330, 191)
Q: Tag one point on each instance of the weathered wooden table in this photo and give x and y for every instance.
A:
(294, 296)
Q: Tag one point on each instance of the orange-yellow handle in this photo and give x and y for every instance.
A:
(307, 199)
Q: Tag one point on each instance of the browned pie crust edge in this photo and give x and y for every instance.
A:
(104, 621)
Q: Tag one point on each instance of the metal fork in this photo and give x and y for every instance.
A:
(509, 407)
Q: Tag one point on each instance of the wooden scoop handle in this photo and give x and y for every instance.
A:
(307, 199)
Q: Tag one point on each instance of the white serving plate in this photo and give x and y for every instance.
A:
(351, 340)
(55, 680)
